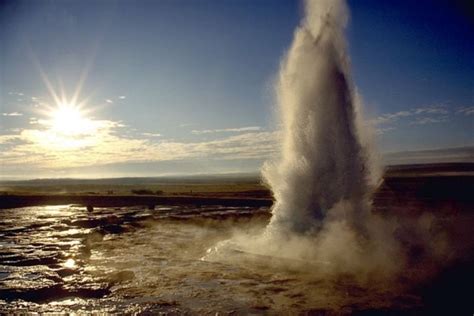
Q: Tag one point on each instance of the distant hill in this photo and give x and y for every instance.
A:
(432, 168)
(394, 170)
(131, 181)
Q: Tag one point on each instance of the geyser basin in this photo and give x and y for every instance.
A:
(134, 259)
(137, 260)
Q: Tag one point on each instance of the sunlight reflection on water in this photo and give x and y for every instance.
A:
(69, 263)
(136, 260)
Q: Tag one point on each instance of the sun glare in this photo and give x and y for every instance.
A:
(65, 124)
(68, 119)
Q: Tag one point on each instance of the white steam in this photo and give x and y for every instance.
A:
(323, 161)
(326, 173)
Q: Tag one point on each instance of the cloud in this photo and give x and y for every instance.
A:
(389, 118)
(43, 147)
(34, 121)
(242, 146)
(428, 120)
(5, 139)
(107, 142)
(431, 110)
(12, 114)
(418, 116)
(152, 134)
(383, 130)
(227, 130)
(122, 97)
(466, 111)
(16, 93)
(44, 150)
(109, 101)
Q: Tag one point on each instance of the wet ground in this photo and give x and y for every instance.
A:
(148, 261)
(59, 258)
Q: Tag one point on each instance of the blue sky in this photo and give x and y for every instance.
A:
(186, 86)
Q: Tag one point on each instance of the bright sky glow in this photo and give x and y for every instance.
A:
(68, 120)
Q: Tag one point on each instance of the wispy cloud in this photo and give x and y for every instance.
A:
(390, 117)
(242, 146)
(152, 134)
(467, 110)
(109, 101)
(429, 120)
(431, 110)
(383, 130)
(416, 116)
(4, 139)
(122, 97)
(396, 116)
(228, 130)
(12, 114)
(16, 93)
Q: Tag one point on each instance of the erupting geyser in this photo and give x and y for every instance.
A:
(323, 179)
(323, 170)
(322, 222)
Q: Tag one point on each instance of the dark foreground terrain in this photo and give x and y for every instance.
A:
(146, 251)
(412, 185)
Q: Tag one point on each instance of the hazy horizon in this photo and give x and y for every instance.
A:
(229, 174)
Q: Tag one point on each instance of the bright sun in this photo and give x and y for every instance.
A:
(67, 119)
(66, 125)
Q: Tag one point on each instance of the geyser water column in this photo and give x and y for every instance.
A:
(324, 176)
(323, 169)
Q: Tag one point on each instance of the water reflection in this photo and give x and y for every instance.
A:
(69, 263)
(62, 258)
(135, 260)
